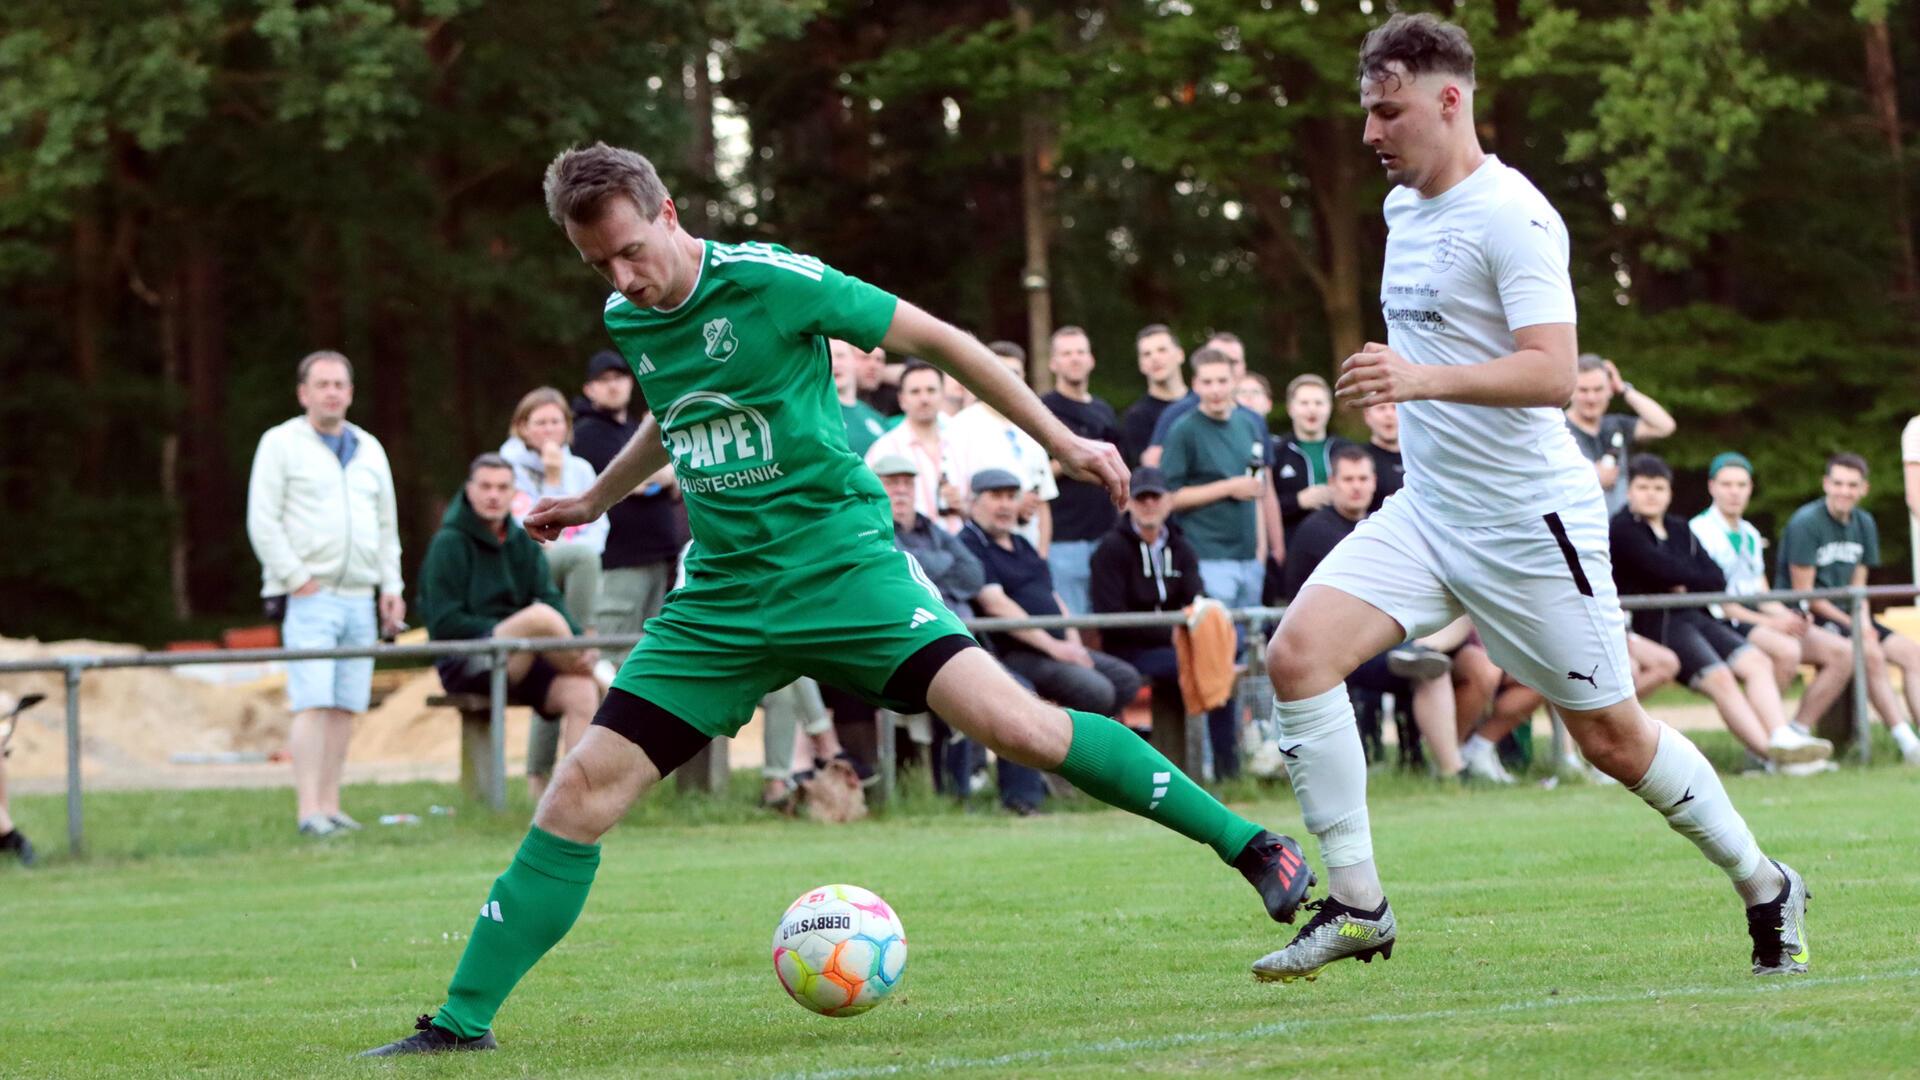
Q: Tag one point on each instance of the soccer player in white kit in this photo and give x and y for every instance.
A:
(1501, 517)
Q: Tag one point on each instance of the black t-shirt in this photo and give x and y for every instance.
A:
(1083, 511)
(642, 530)
(1389, 474)
(1311, 543)
(1022, 573)
(1137, 427)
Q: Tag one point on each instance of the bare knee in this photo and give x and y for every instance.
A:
(1754, 666)
(573, 695)
(1716, 683)
(593, 786)
(979, 699)
(1618, 740)
(1298, 665)
(1903, 653)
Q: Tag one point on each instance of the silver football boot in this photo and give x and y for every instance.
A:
(1335, 932)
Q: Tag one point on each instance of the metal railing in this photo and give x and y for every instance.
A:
(497, 649)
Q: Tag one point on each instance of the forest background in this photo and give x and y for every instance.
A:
(195, 193)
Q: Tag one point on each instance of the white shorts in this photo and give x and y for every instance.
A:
(1540, 592)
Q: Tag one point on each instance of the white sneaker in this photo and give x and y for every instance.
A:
(318, 825)
(1808, 768)
(1266, 762)
(1910, 753)
(1483, 763)
(1789, 747)
(1577, 765)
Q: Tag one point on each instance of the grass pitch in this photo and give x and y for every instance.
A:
(1561, 932)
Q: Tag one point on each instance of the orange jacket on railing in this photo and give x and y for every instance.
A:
(1205, 647)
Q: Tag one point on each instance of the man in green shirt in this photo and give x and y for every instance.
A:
(1829, 544)
(864, 423)
(792, 571)
(1213, 460)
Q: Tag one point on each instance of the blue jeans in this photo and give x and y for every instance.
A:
(959, 756)
(1234, 582)
(326, 620)
(1068, 560)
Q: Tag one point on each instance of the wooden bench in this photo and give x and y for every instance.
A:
(483, 760)
(483, 757)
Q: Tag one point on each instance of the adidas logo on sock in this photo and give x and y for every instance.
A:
(921, 617)
(1160, 782)
(491, 910)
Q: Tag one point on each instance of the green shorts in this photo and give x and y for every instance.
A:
(719, 646)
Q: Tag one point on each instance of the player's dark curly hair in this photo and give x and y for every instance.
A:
(1421, 43)
(581, 180)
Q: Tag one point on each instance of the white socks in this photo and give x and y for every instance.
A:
(1328, 767)
(1475, 745)
(1682, 785)
(1905, 739)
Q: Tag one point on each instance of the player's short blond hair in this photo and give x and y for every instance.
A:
(579, 182)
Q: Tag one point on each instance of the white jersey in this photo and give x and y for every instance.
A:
(1740, 552)
(1464, 270)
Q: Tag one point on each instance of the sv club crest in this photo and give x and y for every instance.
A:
(721, 344)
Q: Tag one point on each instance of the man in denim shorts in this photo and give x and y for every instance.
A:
(320, 514)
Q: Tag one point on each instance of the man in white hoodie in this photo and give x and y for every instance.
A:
(321, 516)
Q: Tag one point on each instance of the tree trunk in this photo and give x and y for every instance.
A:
(209, 502)
(1334, 267)
(320, 288)
(1036, 277)
(90, 270)
(1883, 91)
(702, 158)
(1337, 224)
(1036, 168)
(178, 548)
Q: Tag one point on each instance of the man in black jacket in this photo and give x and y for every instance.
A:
(647, 528)
(1416, 672)
(1656, 552)
(1144, 564)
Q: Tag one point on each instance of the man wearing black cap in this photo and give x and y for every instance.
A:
(1145, 564)
(648, 527)
(1019, 584)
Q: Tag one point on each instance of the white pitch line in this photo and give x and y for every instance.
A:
(1284, 1027)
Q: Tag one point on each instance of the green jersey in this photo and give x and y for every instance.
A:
(864, 426)
(740, 381)
(1833, 548)
(1201, 450)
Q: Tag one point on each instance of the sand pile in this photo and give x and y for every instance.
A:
(405, 728)
(132, 719)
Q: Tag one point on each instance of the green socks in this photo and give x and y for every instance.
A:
(1118, 767)
(531, 907)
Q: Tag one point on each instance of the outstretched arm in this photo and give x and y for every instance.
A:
(917, 333)
(1539, 372)
(641, 458)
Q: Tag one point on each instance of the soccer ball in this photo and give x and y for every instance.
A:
(839, 950)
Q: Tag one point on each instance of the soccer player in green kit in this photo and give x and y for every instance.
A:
(793, 569)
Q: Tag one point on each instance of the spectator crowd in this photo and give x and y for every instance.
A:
(1223, 506)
